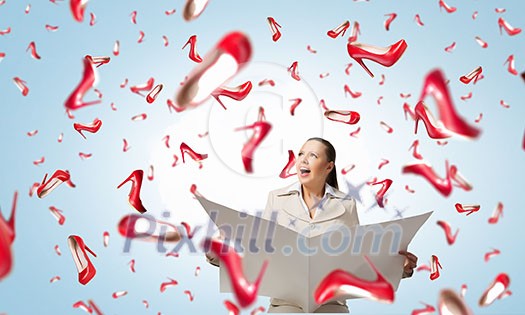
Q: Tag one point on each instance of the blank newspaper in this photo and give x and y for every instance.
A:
(298, 262)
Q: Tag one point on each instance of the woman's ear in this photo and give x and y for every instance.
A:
(330, 166)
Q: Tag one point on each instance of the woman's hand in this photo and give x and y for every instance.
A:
(410, 263)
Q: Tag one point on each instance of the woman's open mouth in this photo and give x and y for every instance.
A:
(304, 171)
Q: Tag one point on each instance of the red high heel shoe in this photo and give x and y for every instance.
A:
(344, 116)
(474, 74)
(385, 185)
(444, 186)
(508, 28)
(86, 270)
(260, 131)
(193, 51)
(276, 34)
(56, 179)
(93, 127)
(339, 30)
(447, 8)
(244, 291)
(134, 195)
(510, 68)
(433, 129)
(7, 237)
(237, 93)
(386, 56)
(220, 64)
(434, 273)
(193, 8)
(341, 283)
(436, 86)
(75, 100)
(355, 32)
(185, 149)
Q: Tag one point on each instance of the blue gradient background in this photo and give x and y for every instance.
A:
(494, 163)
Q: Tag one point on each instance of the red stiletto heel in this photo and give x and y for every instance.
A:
(7, 237)
(93, 127)
(341, 283)
(344, 116)
(134, 195)
(436, 86)
(193, 49)
(386, 56)
(56, 179)
(434, 274)
(237, 93)
(474, 74)
(355, 32)
(244, 291)
(276, 34)
(433, 130)
(443, 185)
(260, 131)
(184, 148)
(339, 30)
(447, 8)
(508, 28)
(86, 270)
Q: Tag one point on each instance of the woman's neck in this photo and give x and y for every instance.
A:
(316, 191)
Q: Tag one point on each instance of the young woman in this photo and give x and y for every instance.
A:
(314, 202)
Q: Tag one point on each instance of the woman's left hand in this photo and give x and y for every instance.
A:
(410, 263)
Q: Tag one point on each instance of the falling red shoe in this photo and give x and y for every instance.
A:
(385, 185)
(157, 229)
(495, 290)
(56, 179)
(86, 270)
(344, 116)
(386, 56)
(355, 32)
(474, 74)
(237, 93)
(507, 27)
(341, 283)
(260, 131)
(244, 291)
(510, 68)
(444, 186)
(75, 100)
(193, 8)
(93, 127)
(219, 65)
(193, 49)
(339, 30)
(449, 301)
(185, 149)
(434, 129)
(134, 195)
(274, 28)
(447, 8)
(435, 85)
(434, 273)
(7, 237)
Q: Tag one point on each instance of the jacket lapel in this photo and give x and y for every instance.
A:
(292, 205)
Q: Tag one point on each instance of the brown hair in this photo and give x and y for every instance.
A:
(330, 154)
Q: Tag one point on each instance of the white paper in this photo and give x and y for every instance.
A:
(293, 274)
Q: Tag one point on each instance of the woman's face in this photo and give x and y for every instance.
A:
(312, 164)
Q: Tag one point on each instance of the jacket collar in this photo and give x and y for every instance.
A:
(330, 208)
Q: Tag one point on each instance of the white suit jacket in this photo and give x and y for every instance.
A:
(286, 202)
(337, 208)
